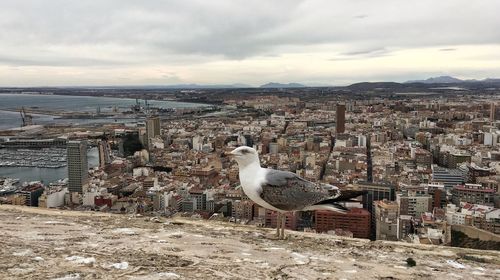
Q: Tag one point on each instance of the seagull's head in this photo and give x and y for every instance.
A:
(244, 156)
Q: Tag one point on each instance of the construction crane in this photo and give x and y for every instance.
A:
(27, 119)
(137, 107)
(146, 105)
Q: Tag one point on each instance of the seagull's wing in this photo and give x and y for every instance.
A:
(345, 196)
(287, 191)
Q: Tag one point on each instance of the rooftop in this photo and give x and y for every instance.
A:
(472, 188)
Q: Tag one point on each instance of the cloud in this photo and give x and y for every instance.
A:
(56, 61)
(197, 33)
(361, 16)
(363, 54)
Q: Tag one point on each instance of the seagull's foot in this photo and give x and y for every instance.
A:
(272, 236)
(283, 236)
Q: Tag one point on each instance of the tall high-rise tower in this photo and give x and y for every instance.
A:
(77, 165)
(104, 153)
(493, 112)
(340, 118)
(369, 162)
(152, 128)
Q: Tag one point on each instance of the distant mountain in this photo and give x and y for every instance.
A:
(317, 85)
(453, 80)
(489, 80)
(240, 85)
(197, 86)
(376, 86)
(438, 80)
(279, 85)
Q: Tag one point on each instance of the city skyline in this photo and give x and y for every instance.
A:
(69, 43)
(304, 139)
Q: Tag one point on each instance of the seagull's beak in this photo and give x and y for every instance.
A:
(228, 154)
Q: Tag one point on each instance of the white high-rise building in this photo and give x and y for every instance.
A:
(491, 138)
(361, 141)
(77, 165)
(197, 143)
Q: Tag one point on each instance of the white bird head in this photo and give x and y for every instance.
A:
(245, 156)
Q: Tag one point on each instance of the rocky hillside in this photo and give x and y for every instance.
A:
(50, 244)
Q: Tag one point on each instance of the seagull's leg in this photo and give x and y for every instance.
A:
(278, 224)
(283, 221)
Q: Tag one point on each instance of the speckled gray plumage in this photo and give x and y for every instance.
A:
(289, 192)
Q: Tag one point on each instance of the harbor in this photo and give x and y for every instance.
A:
(43, 158)
(18, 109)
(44, 174)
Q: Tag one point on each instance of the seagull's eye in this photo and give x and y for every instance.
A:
(245, 152)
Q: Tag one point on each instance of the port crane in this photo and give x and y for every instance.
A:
(26, 118)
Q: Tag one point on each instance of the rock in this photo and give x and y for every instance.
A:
(201, 249)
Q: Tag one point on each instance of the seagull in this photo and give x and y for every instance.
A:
(284, 191)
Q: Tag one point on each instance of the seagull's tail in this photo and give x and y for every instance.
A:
(345, 196)
(332, 204)
(329, 207)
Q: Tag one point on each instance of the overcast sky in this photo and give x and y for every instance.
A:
(122, 42)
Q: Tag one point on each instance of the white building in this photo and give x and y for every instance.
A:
(493, 215)
(343, 143)
(56, 198)
(141, 171)
(491, 138)
(197, 143)
(361, 141)
(89, 196)
(453, 216)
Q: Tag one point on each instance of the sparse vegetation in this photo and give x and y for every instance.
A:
(131, 144)
(411, 262)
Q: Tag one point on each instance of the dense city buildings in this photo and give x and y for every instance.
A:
(430, 164)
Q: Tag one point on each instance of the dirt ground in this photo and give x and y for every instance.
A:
(51, 244)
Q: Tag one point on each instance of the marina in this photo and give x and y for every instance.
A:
(43, 158)
(45, 174)
(36, 159)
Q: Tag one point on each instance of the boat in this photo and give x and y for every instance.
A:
(8, 185)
